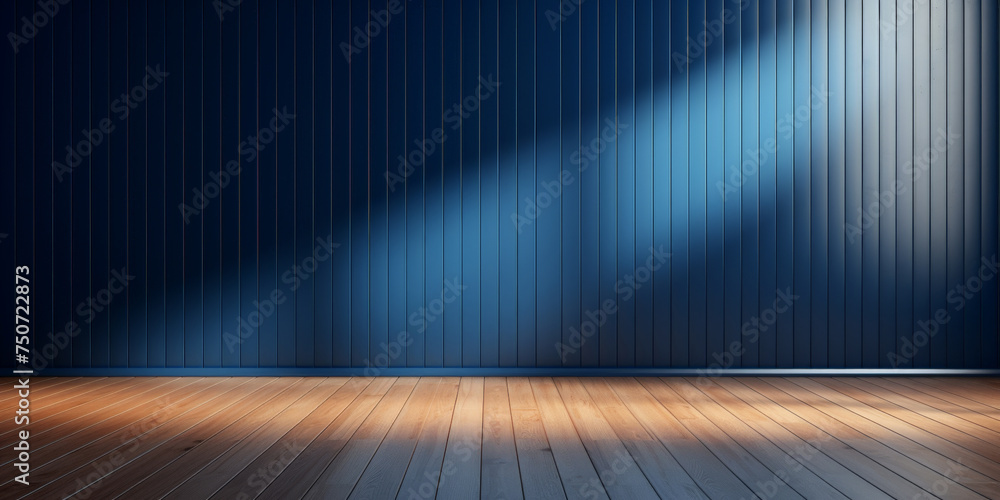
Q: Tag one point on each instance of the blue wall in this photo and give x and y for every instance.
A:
(822, 176)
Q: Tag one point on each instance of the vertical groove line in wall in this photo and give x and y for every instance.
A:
(617, 333)
(257, 170)
(809, 171)
(13, 107)
(500, 76)
(652, 156)
(599, 229)
(830, 219)
(34, 223)
(534, 165)
(52, 211)
(560, 134)
(295, 175)
(792, 169)
(635, 177)
(406, 182)
(423, 173)
(579, 136)
(479, 172)
(461, 181)
(895, 23)
(756, 229)
(913, 158)
(517, 156)
(350, 187)
(145, 153)
(946, 193)
(739, 163)
(844, 99)
(368, 185)
(201, 178)
(276, 160)
(239, 181)
(70, 214)
(312, 156)
(90, 177)
(184, 256)
(128, 253)
(704, 242)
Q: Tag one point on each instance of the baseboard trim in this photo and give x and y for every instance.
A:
(508, 372)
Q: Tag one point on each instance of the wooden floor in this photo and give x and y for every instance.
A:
(545, 438)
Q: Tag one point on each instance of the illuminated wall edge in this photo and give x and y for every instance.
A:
(627, 188)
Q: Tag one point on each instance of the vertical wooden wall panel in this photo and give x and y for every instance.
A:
(490, 215)
(325, 58)
(990, 185)
(678, 168)
(218, 261)
(175, 194)
(8, 128)
(905, 240)
(570, 111)
(938, 170)
(836, 186)
(715, 183)
(698, 192)
(921, 176)
(267, 164)
(82, 242)
(664, 65)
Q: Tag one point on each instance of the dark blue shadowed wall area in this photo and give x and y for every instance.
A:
(373, 185)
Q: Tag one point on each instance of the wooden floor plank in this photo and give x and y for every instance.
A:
(343, 472)
(461, 470)
(211, 432)
(811, 455)
(301, 416)
(786, 470)
(577, 473)
(501, 478)
(823, 433)
(536, 464)
(53, 421)
(989, 384)
(45, 405)
(962, 405)
(73, 473)
(982, 394)
(712, 475)
(914, 404)
(742, 463)
(52, 401)
(977, 456)
(424, 469)
(107, 424)
(54, 391)
(289, 467)
(904, 468)
(42, 385)
(133, 460)
(618, 472)
(931, 403)
(662, 470)
(292, 404)
(384, 473)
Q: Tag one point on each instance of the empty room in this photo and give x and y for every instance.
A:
(500, 249)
